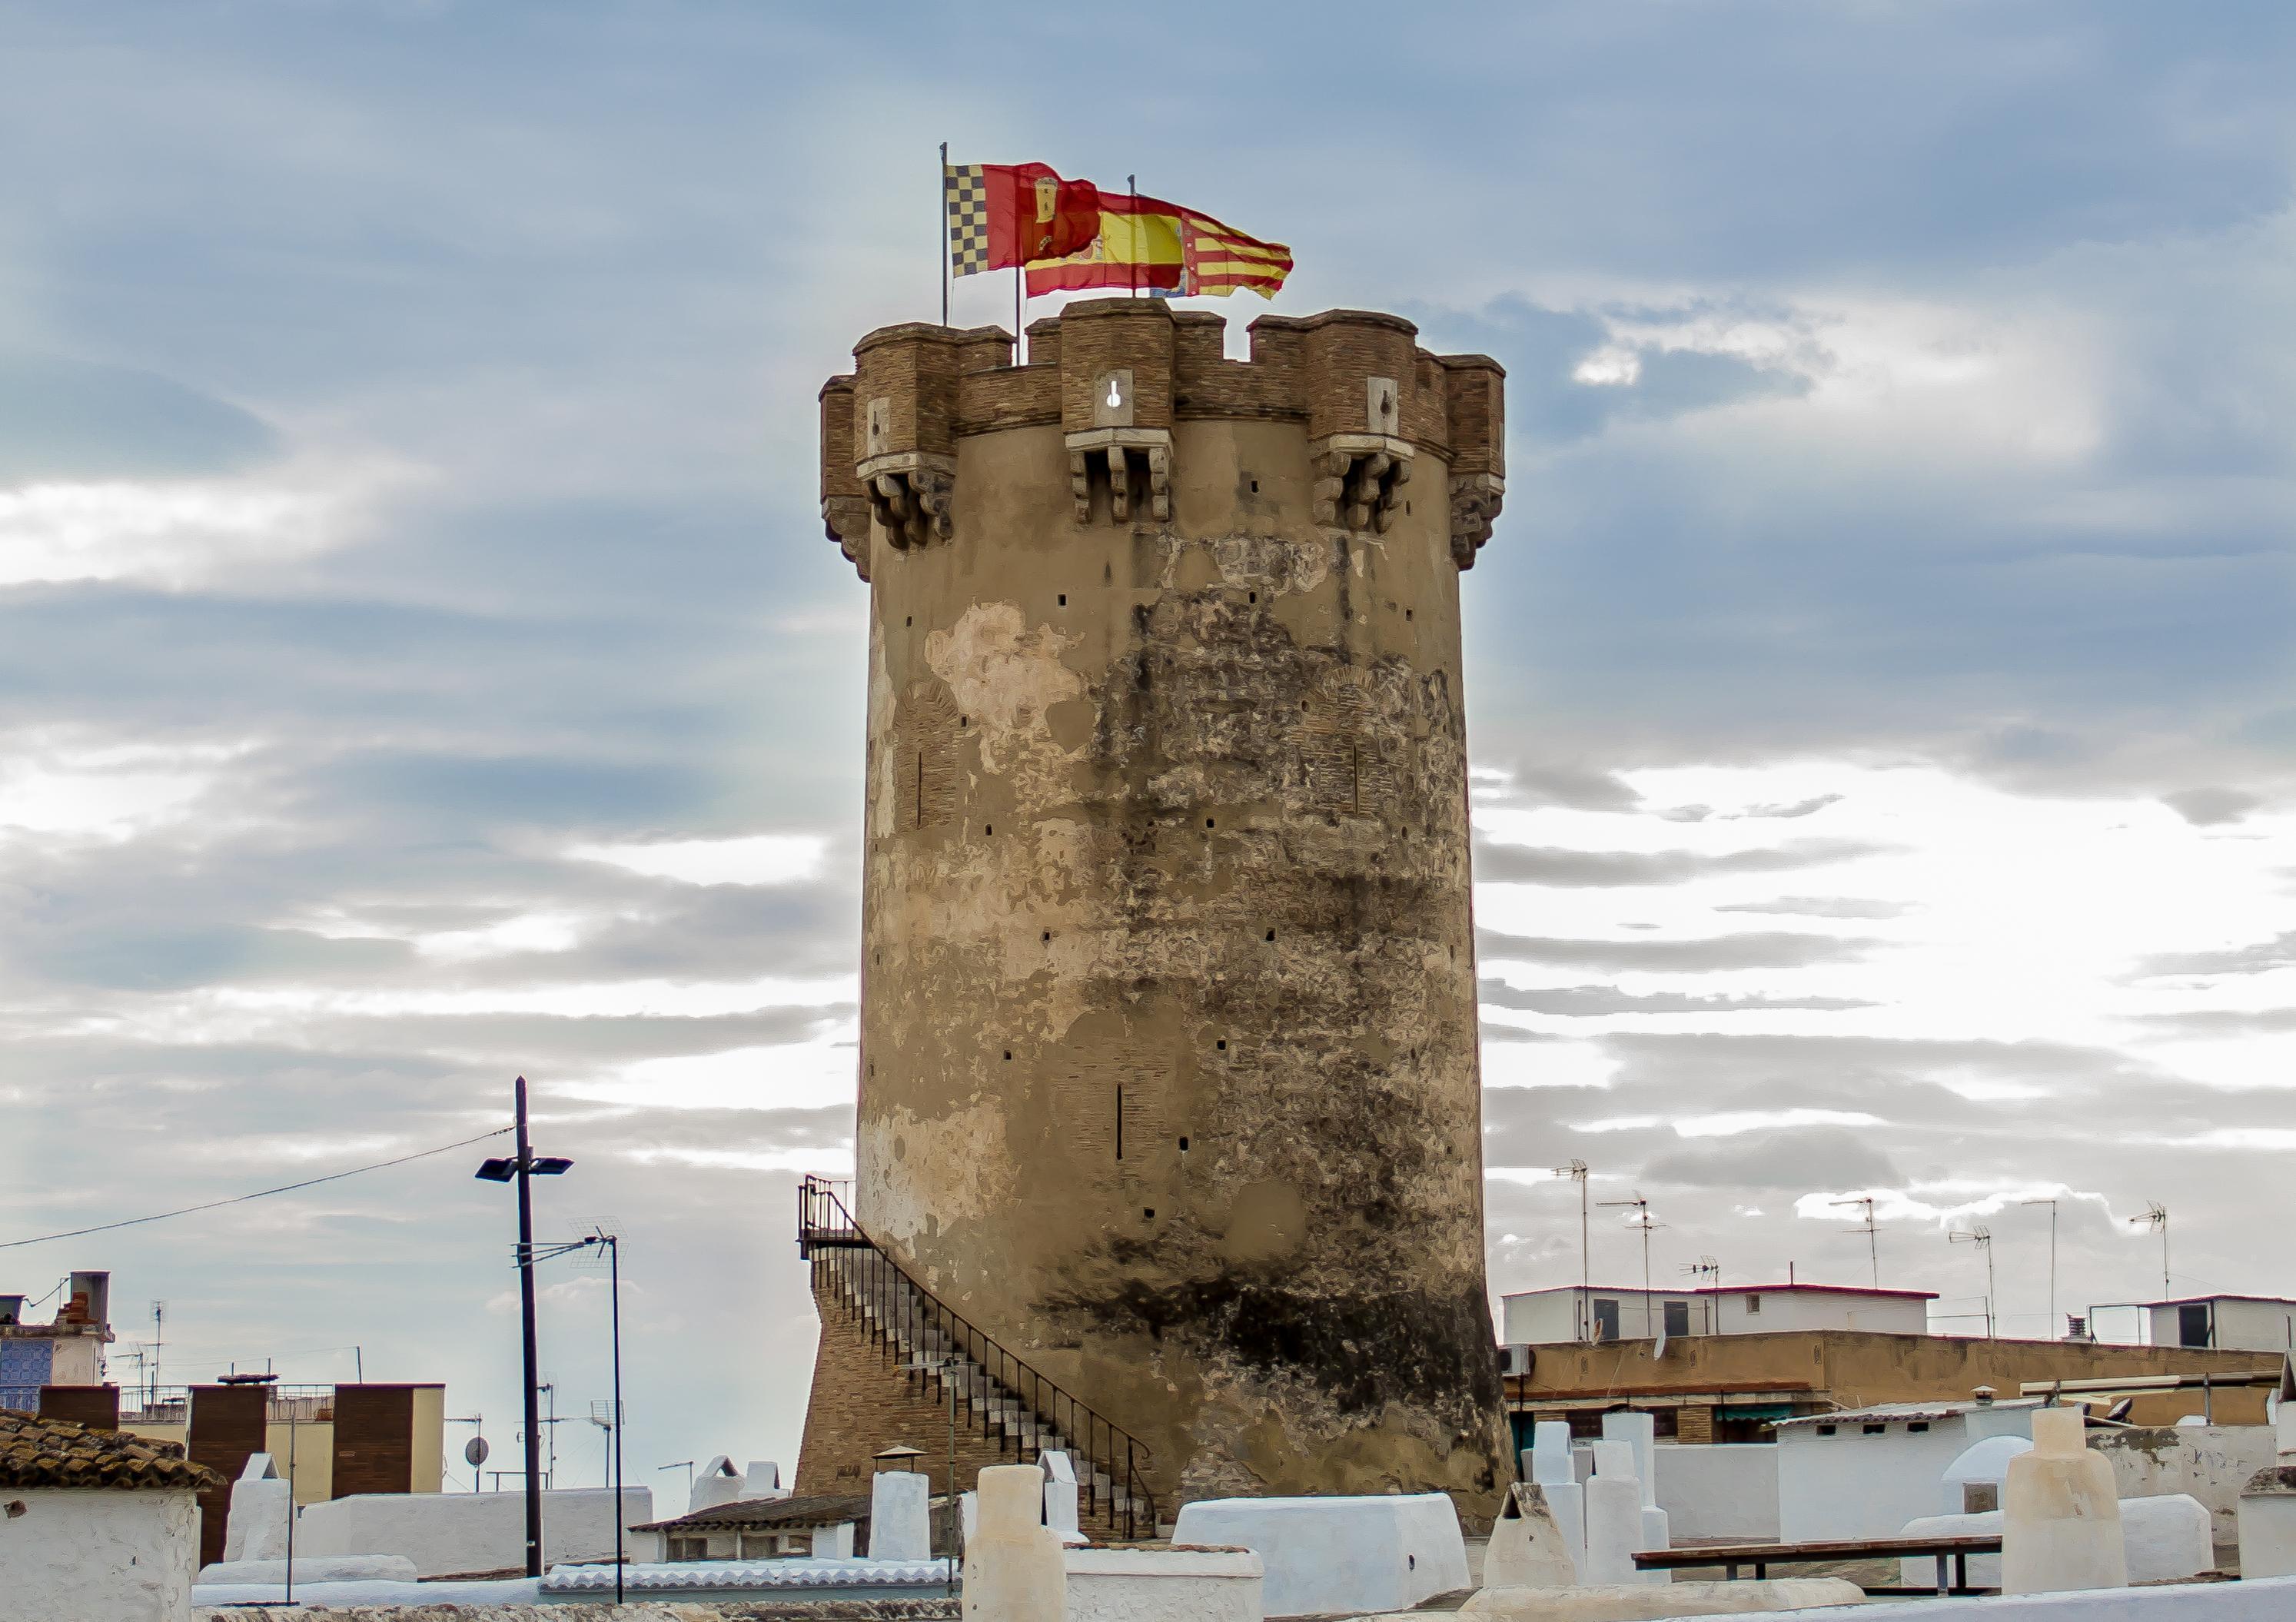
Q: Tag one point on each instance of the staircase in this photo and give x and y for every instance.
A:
(1002, 1398)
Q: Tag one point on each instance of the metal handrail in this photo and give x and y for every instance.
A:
(828, 1236)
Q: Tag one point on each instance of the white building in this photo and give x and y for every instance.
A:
(1865, 1472)
(2231, 1322)
(1542, 1317)
(101, 1526)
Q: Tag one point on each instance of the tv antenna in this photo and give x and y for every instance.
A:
(1641, 1219)
(2051, 1203)
(2156, 1219)
(1981, 1236)
(1706, 1268)
(1577, 1172)
(1871, 1229)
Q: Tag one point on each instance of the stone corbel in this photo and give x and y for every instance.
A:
(1363, 479)
(1475, 502)
(846, 518)
(910, 494)
(1118, 448)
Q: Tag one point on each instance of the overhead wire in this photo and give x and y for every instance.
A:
(288, 1188)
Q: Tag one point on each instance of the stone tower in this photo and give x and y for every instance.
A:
(1169, 1078)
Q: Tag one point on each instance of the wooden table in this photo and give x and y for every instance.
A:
(1761, 1557)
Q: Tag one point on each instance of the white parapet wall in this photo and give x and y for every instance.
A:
(97, 1555)
(1177, 1585)
(2272, 1599)
(1341, 1555)
(1727, 1490)
(2211, 1462)
(446, 1534)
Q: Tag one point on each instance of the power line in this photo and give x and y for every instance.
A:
(335, 1177)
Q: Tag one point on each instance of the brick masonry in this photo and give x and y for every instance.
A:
(862, 1404)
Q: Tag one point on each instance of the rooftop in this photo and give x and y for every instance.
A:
(1884, 1413)
(2204, 1301)
(57, 1453)
(1716, 1290)
(762, 1514)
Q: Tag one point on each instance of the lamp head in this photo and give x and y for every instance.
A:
(497, 1170)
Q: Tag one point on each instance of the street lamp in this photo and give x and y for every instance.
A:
(522, 1169)
(598, 1239)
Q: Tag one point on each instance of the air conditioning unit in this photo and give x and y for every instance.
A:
(1515, 1360)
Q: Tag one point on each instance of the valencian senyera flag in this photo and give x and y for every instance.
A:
(1073, 236)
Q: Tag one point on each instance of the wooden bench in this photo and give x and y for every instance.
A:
(1761, 1557)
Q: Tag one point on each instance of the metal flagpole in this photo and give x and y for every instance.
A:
(1020, 279)
(1132, 266)
(944, 233)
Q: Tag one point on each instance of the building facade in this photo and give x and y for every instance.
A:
(2237, 1322)
(1170, 1081)
(1739, 1387)
(1571, 1312)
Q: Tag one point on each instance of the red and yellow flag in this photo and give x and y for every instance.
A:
(1147, 244)
(1002, 215)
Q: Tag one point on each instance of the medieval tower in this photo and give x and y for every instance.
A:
(1169, 1122)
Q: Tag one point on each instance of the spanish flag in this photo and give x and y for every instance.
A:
(1148, 245)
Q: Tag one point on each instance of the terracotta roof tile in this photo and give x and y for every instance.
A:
(59, 1452)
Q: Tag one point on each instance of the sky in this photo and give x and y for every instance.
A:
(420, 662)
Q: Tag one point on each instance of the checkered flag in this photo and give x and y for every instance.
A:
(966, 186)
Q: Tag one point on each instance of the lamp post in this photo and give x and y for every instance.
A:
(522, 1169)
(598, 1239)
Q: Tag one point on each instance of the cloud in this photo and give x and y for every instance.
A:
(1822, 906)
(2260, 957)
(763, 858)
(1585, 1001)
(1775, 1161)
(183, 532)
(1505, 863)
(1775, 949)
(1580, 788)
(2209, 807)
(62, 418)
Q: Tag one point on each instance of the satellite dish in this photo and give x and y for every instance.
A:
(474, 1450)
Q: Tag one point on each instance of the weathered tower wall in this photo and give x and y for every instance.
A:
(1169, 1076)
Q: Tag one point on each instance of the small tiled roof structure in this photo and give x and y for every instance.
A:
(767, 1514)
(58, 1452)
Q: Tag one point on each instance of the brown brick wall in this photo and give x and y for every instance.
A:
(228, 1423)
(96, 1407)
(1012, 397)
(837, 454)
(373, 1440)
(861, 1404)
(943, 383)
(1106, 334)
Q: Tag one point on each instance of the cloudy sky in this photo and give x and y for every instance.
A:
(420, 661)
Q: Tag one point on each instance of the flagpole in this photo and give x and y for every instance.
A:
(1019, 277)
(944, 233)
(1132, 264)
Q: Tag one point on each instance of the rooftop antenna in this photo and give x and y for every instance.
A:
(1981, 1236)
(2051, 1203)
(1706, 1267)
(1641, 1219)
(602, 1415)
(1577, 1172)
(159, 1323)
(1871, 1231)
(2156, 1218)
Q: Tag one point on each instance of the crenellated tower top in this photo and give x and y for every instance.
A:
(1115, 376)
